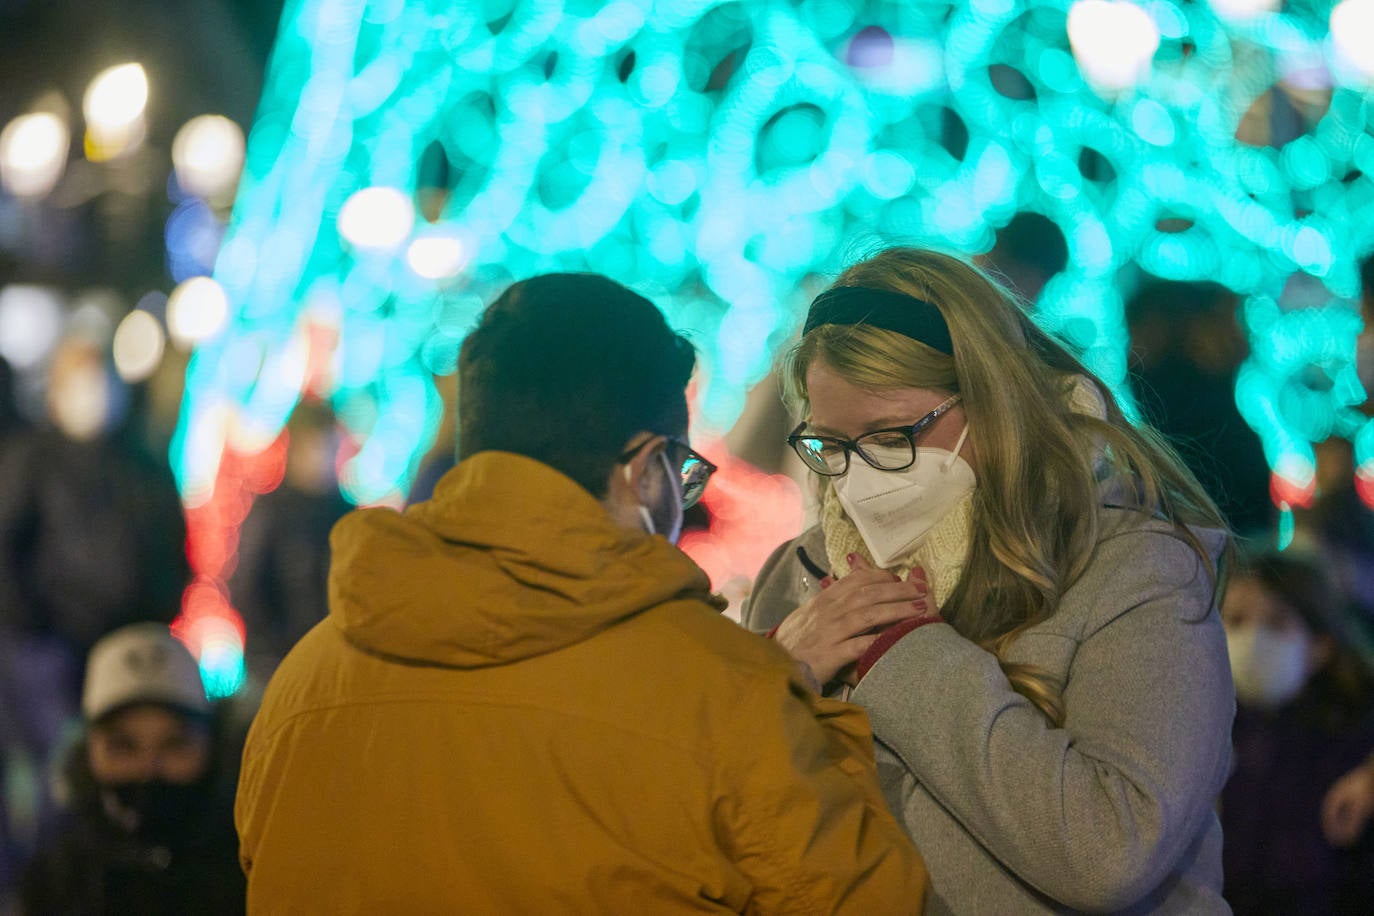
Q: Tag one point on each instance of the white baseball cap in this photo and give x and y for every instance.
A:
(141, 663)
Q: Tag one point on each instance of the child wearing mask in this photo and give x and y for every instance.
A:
(145, 830)
(1296, 806)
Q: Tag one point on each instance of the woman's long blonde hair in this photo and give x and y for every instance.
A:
(1038, 507)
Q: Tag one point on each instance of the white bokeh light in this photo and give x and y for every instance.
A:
(138, 346)
(30, 324)
(33, 153)
(1113, 42)
(1352, 34)
(208, 156)
(114, 106)
(1243, 10)
(377, 218)
(205, 437)
(196, 311)
(436, 257)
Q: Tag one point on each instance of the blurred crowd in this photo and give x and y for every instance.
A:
(92, 549)
(117, 775)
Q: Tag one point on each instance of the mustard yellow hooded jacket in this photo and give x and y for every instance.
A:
(516, 706)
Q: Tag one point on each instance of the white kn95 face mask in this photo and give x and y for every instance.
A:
(894, 510)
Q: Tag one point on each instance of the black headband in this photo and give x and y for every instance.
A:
(880, 308)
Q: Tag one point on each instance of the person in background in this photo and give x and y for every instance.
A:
(1297, 806)
(525, 698)
(1186, 347)
(279, 586)
(1339, 524)
(92, 537)
(1029, 251)
(11, 420)
(11, 424)
(147, 826)
(1020, 588)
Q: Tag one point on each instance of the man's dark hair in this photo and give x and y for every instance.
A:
(564, 368)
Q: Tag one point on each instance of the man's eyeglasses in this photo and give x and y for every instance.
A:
(891, 449)
(696, 471)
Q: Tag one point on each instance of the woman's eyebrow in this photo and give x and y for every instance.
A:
(890, 422)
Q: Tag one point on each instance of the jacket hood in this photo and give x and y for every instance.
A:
(509, 560)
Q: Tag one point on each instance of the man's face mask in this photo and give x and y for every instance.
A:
(660, 498)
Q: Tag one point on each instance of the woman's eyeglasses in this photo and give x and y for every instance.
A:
(891, 449)
(696, 471)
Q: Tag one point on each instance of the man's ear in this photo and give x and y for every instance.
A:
(626, 477)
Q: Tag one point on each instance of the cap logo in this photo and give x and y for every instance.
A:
(146, 660)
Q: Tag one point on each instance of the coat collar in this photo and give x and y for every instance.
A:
(510, 559)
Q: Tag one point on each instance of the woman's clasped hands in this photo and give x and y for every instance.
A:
(833, 629)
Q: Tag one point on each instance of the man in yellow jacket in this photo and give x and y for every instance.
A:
(524, 699)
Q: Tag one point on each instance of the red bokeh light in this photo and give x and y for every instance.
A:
(212, 532)
(752, 512)
(1285, 492)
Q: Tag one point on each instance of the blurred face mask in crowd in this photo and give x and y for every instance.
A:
(1269, 667)
(1272, 651)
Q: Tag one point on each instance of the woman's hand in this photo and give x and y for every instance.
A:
(1348, 804)
(830, 632)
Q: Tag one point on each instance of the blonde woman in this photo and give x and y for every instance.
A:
(1021, 589)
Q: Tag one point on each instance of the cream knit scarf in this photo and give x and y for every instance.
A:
(942, 553)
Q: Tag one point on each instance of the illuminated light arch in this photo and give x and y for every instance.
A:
(724, 158)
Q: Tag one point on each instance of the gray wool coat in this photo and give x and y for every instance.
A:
(1113, 812)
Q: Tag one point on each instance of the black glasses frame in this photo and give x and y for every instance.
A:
(693, 481)
(853, 445)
